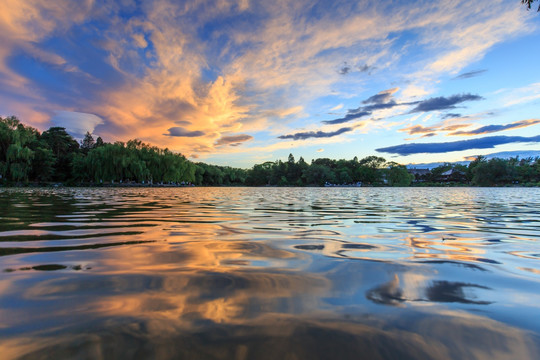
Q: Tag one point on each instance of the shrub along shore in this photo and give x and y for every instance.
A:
(55, 158)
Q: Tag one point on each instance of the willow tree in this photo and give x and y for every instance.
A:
(16, 149)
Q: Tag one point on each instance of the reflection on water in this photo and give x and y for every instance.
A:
(243, 273)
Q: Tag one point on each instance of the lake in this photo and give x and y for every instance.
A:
(270, 273)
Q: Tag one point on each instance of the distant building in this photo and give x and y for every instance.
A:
(419, 174)
(453, 175)
(448, 173)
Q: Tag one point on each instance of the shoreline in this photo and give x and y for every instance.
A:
(139, 185)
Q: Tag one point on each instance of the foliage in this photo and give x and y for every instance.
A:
(63, 147)
(17, 144)
(397, 175)
(214, 175)
(26, 155)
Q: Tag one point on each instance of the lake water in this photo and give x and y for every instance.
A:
(270, 273)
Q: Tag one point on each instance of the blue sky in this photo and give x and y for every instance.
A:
(243, 82)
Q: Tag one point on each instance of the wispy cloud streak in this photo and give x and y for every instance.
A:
(315, 134)
(470, 74)
(496, 128)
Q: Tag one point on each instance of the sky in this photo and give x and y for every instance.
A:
(241, 82)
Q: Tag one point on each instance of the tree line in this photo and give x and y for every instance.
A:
(28, 156)
(485, 172)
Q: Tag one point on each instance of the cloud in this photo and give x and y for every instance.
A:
(437, 148)
(347, 118)
(233, 140)
(454, 127)
(337, 107)
(182, 122)
(379, 101)
(466, 44)
(451, 115)
(470, 74)
(181, 132)
(456, 47)
(366, 68)
(418, 129)
(76, 123)
(315, 134)
(345, 69)
(442, 126)
(384, 100)
(522, 95)
(496, 128)
(382, 97)
(140, 40)
(444, 103)
(173, 108)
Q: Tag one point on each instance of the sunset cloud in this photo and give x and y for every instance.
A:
(444, 126)
(181, 132)
(496, 128)
(233, 140)
(186, 75)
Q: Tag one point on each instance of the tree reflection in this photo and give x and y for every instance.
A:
(390, 293)
(446, 291)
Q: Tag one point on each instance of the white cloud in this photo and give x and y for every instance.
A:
(76, 123)
(522, 95)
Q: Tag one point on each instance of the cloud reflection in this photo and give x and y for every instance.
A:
(444, 336)
(300, 273)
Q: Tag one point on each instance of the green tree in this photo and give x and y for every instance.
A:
(318, 174)
(294, 171)
(99, 142)
(259, 174)
(16, 149)
(87, 143)
(493, 172)
(43, 164)
(63, 146)
(369, 170)
(397, 175)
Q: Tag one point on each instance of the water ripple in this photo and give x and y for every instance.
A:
(419, 264)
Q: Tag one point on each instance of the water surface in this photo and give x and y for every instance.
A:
(270, 273)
